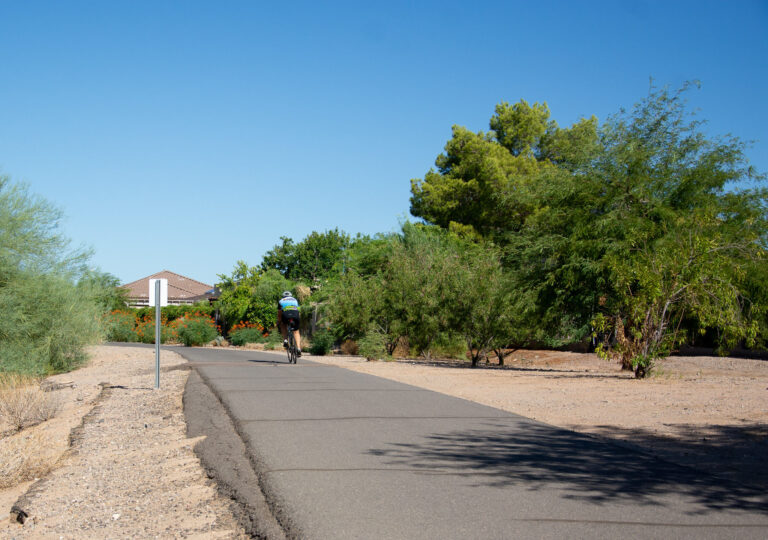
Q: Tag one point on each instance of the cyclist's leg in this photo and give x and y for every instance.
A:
(281, 323)
(297, 335)
(294, 330)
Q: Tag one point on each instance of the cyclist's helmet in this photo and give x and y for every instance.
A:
(286, 294)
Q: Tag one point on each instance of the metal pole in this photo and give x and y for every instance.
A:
(157, 334)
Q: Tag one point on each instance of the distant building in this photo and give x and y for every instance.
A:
(181, 290)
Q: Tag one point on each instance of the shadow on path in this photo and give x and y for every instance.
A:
(585, 468)
(739, 453)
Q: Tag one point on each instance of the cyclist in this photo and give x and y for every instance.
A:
(288, 314)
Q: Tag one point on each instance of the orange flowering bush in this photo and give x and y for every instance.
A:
(120, 326)
(195, 328)
(145, 330)
(246, 332)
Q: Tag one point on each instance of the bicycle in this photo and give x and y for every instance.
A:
(292, 350)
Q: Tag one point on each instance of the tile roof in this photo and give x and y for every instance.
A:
(178, 286)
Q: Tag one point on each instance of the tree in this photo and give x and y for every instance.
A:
(104, 289)
(312, 259)
(481, 177)
(47, 322)
(281, 257)
(681, 230)
(625, 229)
(484, 307)
(251, 294)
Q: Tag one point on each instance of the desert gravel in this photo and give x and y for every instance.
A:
(131, 471)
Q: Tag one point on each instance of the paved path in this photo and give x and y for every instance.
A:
(344, 455)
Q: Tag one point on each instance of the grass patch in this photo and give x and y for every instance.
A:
(23, 403)
(25, 456)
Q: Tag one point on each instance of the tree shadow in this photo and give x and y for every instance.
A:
(735, 452)
(574, 373)
(585, 468)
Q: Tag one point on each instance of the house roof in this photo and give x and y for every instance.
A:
(178, 286)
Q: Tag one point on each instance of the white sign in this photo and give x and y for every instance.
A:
(163, 292)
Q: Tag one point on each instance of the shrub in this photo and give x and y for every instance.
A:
(46, 325)
(373, 345)
(119, 326)
(173, 312)
(196, 329)
(274, 341)
(145, 330)
(246, 332)
(322, 342)
(23, 403)
(26, 456)
(448, 346)
(349, 347)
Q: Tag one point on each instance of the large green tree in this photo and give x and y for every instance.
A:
(681, 228)
(314, 258)
(481, 178)
(628, 228)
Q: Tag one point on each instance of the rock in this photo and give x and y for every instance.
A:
(18, 515)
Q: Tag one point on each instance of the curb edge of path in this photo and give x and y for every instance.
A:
(223, 455)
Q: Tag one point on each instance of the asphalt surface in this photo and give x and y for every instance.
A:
(339, 454)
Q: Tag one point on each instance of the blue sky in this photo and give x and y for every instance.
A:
(188, 135)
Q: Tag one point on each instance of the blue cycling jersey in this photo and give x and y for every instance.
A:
(289, 303)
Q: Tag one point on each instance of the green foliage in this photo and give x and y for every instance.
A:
(373, 345)
(251, 295)
(481, 178)
(196, 330)
(47, 322)
(119, 326)
(103, 289)
(46, 325)
(679, 238)
(354, 304)
(629, 229)
(314, 258)
(448, 345)
(274, 341)
(322, 342)
(444, 293)
(241, 336)
(265, 292)
(173, 312)
(367, 255)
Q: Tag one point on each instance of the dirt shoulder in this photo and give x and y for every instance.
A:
(123, 465)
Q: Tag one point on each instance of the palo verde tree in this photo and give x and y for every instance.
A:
(47, 321)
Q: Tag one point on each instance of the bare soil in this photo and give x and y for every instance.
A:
(122, 463)
(123, 466)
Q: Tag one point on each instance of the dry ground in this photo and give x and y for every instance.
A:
(128, 470)
(123, 466)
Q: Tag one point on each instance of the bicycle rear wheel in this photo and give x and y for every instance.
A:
(291, 347)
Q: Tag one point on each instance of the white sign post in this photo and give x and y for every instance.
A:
(163, 292)
(158, 298)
